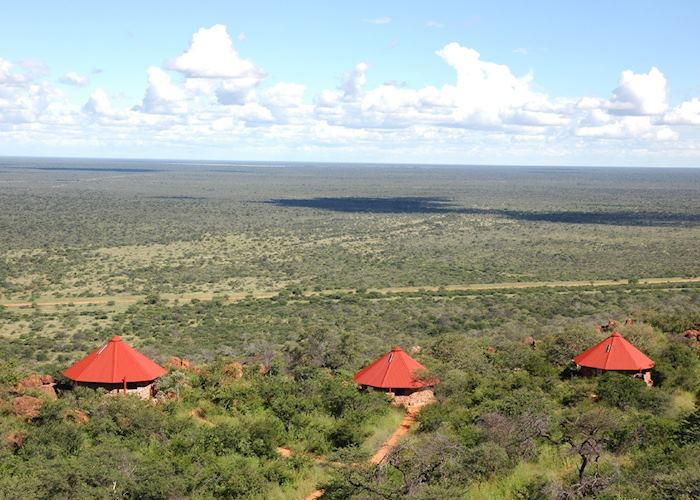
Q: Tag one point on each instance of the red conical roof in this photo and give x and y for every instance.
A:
(394, 370)
(614, 353)
(114, 363)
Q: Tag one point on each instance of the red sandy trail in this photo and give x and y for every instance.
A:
(408, 420)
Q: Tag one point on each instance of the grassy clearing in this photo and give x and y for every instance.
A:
(301, 488)
(383, 428)
(111, 301)
(551, 463)
(683, 402)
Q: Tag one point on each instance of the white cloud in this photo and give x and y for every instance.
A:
(379, 20)
(487, 93)
(229, 92)
(27, 103)
(633, 112)
(640, 93)
(354, 82)
(686, 113)
(218, 101)
(98, 103)
(629, 127)
(8, 76)
(485, 96)
(162, 96)
(211, 55)
(521, 50)
(75, 79)
(286, 95)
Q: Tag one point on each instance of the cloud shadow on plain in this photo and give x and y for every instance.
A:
(437, 205)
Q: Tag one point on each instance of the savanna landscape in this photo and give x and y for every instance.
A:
(271, 284)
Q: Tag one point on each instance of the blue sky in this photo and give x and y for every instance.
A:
(600, 83)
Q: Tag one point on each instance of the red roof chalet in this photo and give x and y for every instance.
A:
(114, 363)
(394, 370)
(614, 353)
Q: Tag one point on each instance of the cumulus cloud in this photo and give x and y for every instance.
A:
(211, 55)
(640, 93)
(286, 95)
(75, 79)
(488, 93)
(8, 76)
(354, 82)
(686, 113)
(485, 95)
(634, 111)
(98, 104)
(629, 127)
(211, 97)
(162, 97)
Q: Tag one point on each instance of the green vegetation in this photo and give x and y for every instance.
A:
(513, 417)
(223, 227)
(218, 438)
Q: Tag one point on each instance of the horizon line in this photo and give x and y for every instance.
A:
(260, 163)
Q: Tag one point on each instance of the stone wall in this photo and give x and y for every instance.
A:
(415, 400)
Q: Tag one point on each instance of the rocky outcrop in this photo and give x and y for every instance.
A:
(692, 334)
(36, 382)
(49, 391)
(233, 371)
(14, 440)
(182, 364)
(31, 381)
(77, 416)
(27, 406)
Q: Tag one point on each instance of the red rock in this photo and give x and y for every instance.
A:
(29, 382)
(47, 379)
(49, 391)
(233, 370)
(416, 349)
(692, 334)
(263, 369)
(77, 416)
(27, 406)
(176, 362)
(14, 440)
(197, 413)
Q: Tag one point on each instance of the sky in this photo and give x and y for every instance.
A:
(497, 82)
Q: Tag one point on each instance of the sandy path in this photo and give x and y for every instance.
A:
(408, 421)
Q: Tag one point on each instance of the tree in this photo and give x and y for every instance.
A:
(689, 430)
(587, 434)
(409, 467)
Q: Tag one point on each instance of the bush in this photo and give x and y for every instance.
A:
(625, 391)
